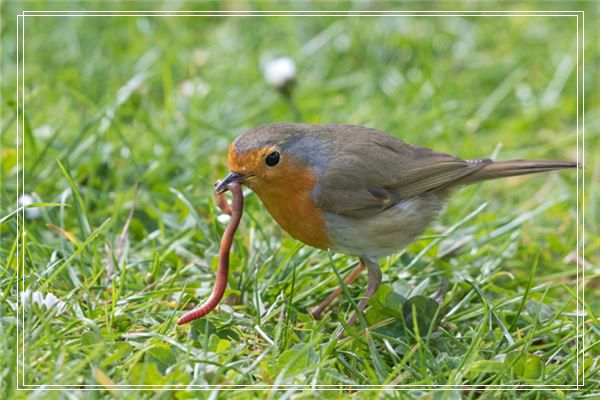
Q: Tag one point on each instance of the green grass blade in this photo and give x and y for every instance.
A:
(80, 208)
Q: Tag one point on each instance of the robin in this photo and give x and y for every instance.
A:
(355, 190)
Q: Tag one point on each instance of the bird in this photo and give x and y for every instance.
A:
(355, 190)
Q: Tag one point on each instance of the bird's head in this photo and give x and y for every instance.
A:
(270, 157)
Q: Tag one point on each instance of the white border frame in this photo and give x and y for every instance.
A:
(580, 314)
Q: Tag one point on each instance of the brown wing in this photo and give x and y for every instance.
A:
(373, 171)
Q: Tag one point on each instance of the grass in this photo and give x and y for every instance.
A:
(127, 123)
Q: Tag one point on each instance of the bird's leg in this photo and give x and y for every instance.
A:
(439, 297)
(317, 311)
(374, 280)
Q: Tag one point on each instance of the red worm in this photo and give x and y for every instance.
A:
(222, 203)
(226, 241)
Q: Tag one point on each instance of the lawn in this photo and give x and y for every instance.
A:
(124, 124)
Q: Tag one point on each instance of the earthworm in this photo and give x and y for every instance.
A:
(222, 203)
(226, 241)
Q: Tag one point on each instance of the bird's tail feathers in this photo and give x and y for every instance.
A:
(500, 169)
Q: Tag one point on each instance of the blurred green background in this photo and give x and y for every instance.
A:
(117, 100)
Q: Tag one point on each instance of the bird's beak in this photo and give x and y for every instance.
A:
(221, 186)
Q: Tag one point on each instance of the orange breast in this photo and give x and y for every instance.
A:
(289, 201)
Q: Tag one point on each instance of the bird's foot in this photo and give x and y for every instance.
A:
(317, 312)
(439, 296)
(374, 280)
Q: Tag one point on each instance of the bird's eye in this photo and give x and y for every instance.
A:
(272, 159)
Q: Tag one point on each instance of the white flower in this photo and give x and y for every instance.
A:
(195, 87)
(38, 298)
(44, 131)
(280, 72)
(223, 218)
(48, 302)
(187, 88)
(30, 212)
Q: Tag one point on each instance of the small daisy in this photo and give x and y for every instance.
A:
(280, 72)
(30, 212)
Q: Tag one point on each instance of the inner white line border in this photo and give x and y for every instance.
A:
(279, 13)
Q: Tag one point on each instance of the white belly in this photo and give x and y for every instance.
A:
(384, 233)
